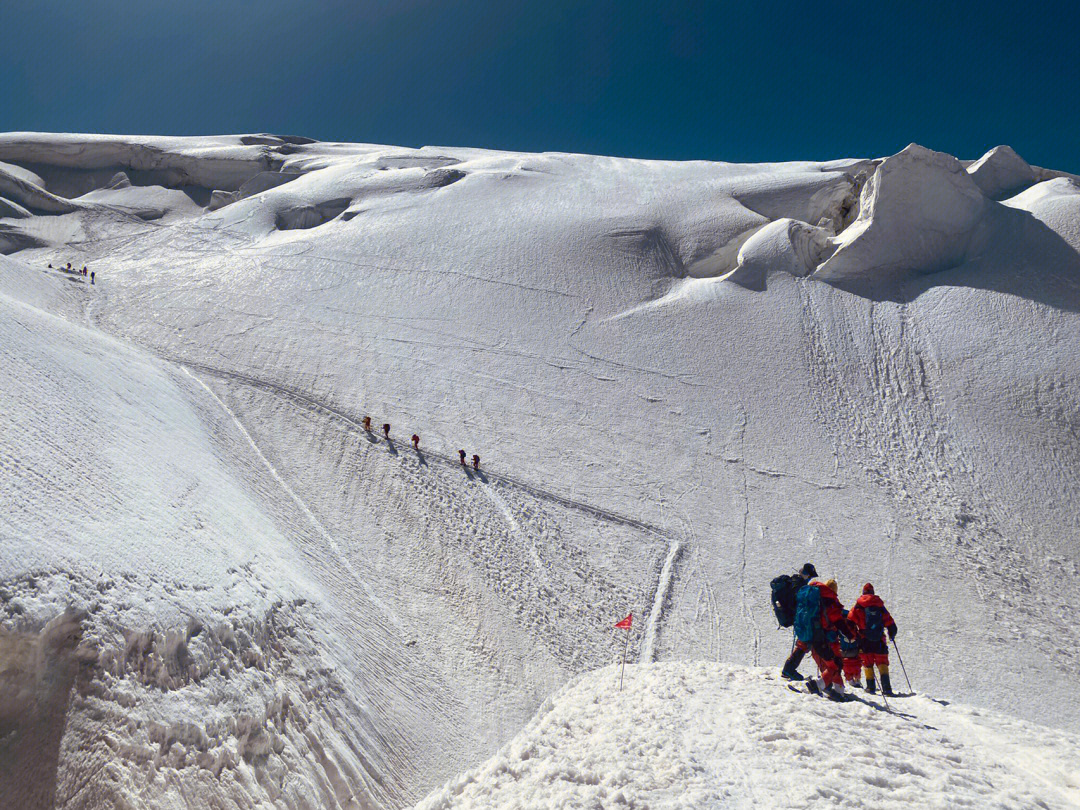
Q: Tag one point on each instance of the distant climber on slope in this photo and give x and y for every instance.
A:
(416, 442)
(784, 590)
(365, 423)
(475, 462)
(873, 620)
(461, 453)
(91, 276)
(386, 430)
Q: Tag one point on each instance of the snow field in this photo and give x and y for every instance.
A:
(672, 402)
(701, 735)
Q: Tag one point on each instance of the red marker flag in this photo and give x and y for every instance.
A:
(624, 625)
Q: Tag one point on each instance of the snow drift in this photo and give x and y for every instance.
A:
(681, 378)
(705, 735)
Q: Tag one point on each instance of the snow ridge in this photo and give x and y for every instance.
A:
(702, 735)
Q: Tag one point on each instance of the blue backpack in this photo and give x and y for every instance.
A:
(807, 610)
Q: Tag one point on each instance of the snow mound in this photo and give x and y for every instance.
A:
(23, 174)
(786, 245)
(1001, 172)
(704, 735)
(920, 212)
(1056, 203)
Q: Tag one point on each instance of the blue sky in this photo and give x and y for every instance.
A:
(740, 82)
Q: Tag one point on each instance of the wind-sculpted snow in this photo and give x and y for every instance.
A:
(1001, 172)
(1055, 203)
(705, 736)
(920, 213)
(681, 379)
(786, 245)
(211, 162)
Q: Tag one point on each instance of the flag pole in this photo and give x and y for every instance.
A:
(626, 643)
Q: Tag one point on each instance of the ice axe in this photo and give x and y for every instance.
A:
(900, 658)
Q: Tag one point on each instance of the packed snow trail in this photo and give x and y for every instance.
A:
(653, 622)
(303, 507)
(312, 403)
(663, 591)
(708, 736)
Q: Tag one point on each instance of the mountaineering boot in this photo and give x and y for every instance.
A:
(871, 687)
(812, 686)
(886, 685)
(791, 666)
(835, 694)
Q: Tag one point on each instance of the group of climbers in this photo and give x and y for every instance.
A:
(366, 424)
(74, 271)
(839, 640)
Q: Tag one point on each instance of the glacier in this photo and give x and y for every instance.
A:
(682, 378)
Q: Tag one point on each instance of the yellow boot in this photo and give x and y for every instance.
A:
(886, 684)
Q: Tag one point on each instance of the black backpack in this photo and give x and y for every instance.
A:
(875, 623)
(784, 588)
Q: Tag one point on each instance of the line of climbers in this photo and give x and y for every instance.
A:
(74, 271)
(838, 640)
(366, 424)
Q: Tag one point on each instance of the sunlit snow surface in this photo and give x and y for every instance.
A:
(704, 735)
(681, 378)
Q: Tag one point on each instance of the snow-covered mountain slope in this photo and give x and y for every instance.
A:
(201, 654)
(704, 735)
(681, 378)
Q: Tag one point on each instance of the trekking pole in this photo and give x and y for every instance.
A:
(888, 708)
(900, 658)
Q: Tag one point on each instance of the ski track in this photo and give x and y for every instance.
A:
(329, 538)
(663, 588)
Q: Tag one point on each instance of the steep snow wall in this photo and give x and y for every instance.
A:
(158, 641)
(672, 399)
(213, 162)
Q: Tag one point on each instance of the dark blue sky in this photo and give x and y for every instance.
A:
(667, 79)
